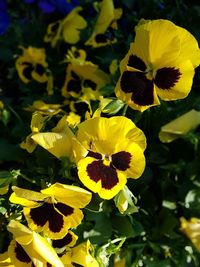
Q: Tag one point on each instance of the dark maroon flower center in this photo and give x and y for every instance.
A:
(107, 174)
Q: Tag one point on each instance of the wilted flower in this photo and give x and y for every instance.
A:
(54, 210)
(159, 64)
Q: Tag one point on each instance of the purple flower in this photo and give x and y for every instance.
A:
(49, 6)
(4, 17)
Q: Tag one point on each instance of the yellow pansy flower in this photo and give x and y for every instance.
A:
(83, 80)
(103, 33)
(67, 29)
(159, 64)
(28, 248)
(180, 126)
(37, 123)
(115, 152)
(32, 64)
(52, 210)
(191, 228)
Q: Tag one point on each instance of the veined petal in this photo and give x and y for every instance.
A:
(163, 38)
(73, 196)
(120, 128)
(58, 144)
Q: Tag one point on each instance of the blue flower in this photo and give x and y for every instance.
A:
(49, 6)
(4, 17)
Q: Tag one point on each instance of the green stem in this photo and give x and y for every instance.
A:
(124, 110)
(27, 179)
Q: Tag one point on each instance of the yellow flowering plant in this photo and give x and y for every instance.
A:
(99, 140)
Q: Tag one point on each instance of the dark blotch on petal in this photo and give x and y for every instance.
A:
(81, 108)
(56, 222)
(40, 69)
(140, 87)
(47, 213)
(60, 243)
(27, 72)
(74, 75)
(94, 155)
(107, 174)
(121, 160)
(136, 63)
(90, 84)
(74, 86)
(21, 254)
(101, 38)
(64, 209)
(41, 214)
(166, 78)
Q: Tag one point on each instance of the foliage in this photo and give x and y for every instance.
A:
(148, 231)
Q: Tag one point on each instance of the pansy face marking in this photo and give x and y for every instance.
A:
(159, 64)
(54, 210)
(52, 214)
(115, 152)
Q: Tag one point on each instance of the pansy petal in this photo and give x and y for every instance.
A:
(74, 196)
(99, 178)
(68, 240)
(179, 126)
(191, 228)
(81, 255)
(71, 26)
(35, 246)
(58, 144)
(25, 197)
(178, 77)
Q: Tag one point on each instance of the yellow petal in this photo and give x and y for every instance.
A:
(192, 230)
(73, 196)
(71, 26)
(58, 144)
(25, 197)
(180, 126)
